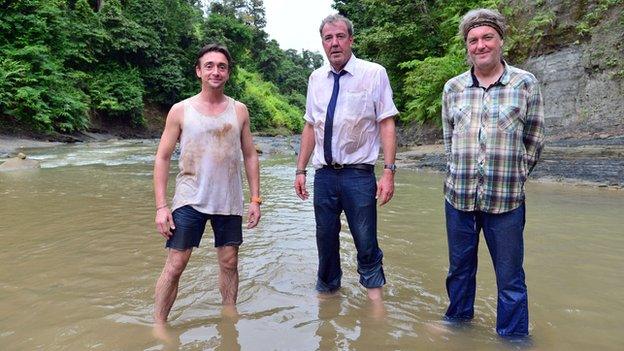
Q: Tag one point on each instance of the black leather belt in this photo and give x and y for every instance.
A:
(362, 166)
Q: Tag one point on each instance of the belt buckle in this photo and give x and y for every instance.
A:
(337, 166)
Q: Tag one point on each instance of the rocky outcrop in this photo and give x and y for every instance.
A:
(581, 72)
(19, 163)
(578, 102)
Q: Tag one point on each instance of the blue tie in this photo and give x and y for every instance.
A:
(329, 120)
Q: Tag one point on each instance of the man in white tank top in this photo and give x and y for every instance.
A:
(213, 131)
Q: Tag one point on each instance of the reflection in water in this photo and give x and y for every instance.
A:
(79, 238)
(164, 334)
(226, 328)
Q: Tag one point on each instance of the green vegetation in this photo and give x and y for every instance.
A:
(595, 14)
(272, 111)
(417, 42)
(64, 62)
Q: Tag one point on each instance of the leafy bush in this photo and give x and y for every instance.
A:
(267, 107)
(424, 83)
(41, 97)
(117, 92)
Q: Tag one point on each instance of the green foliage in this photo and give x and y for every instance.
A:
(85, 36)
(62, 61)
(267, 108)
(117, 92)
(592, 17)
(525, 36)
(35, 87)
(417, 43)
(424, 84)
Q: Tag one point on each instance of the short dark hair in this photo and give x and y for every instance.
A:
(215, 48)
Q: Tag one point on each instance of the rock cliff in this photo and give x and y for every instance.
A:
(576, 50)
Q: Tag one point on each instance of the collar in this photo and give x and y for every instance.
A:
(349, 67)
(502, 80)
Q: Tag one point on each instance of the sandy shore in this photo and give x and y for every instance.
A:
(10, 146)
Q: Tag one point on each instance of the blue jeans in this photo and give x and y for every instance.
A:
(503, 235)
(351, 190)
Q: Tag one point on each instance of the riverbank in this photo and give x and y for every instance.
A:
(587, 162)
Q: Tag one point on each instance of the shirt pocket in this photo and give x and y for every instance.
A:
(461, 118)
(355, 104)
(509, 118)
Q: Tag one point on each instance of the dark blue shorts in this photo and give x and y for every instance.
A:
(190, 225)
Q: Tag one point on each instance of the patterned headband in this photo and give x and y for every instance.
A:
(484, 22)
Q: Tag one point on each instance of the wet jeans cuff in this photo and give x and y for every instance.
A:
(328, 287)
(372, 274)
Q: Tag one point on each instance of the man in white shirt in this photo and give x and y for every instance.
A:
(349, 106)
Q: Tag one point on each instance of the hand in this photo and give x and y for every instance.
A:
(253, 215)
(300, 187)
(164, 222)
(385, 187)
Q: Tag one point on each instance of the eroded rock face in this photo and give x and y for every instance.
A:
(18, 164)
(581, 74)
(578, 100)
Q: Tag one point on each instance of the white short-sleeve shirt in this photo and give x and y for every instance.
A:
(364, 99)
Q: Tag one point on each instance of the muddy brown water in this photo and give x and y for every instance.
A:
(80, 258)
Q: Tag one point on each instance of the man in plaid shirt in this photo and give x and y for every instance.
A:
(493, 123)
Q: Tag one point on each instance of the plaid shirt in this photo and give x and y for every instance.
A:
(492, 138)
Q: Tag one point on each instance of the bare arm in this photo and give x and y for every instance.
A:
(305, 151)
(385, 186)
(252, 164)
(168, 140)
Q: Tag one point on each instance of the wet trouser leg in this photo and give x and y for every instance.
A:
(463, 242)
(327, 209)
(503, 234)
(504, 237)
(358, 189)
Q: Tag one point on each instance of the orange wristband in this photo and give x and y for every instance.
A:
(256, 199)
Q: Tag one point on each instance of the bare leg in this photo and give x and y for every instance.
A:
(228, 274)
(375, 294)
(376, 304)
(167, 285)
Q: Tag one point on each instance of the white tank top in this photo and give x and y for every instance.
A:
(210, 162)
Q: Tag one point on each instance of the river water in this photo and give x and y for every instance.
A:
(81, 256)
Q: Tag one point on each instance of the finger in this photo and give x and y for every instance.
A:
(170, 220)
(302, 193)
(253, 220)
(382, 200)
(251, 216)
(160, 227)
(385, 197)
(379, 189)
(252, 224)
(298, 190)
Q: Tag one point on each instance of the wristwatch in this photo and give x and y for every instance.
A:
(392, 167)
(256, 199)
